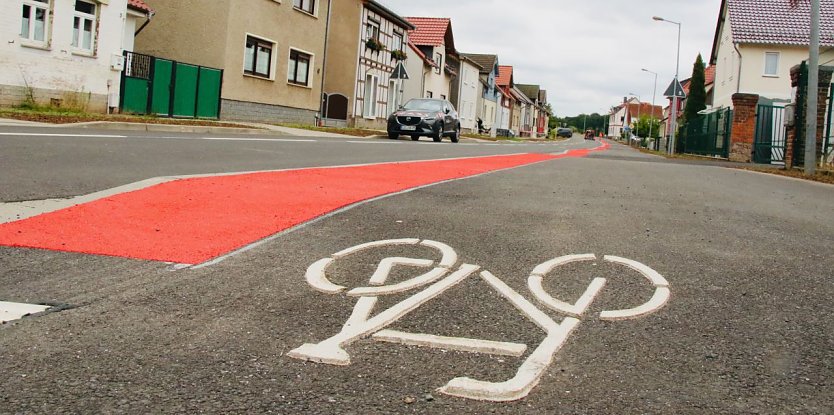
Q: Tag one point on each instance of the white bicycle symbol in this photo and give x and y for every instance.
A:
(440, 278)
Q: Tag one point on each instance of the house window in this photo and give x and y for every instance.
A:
(299, 68)
(372, 30)
(83, 25)
(429, 94)
(33, 26)
(308, 6)
(392, 96)
(438, 59)
(771, 64)
(443, 97)
(370, 98)
(257, 58)
(398, 41)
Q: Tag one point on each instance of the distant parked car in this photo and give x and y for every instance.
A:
(433, 118)
(564, 132)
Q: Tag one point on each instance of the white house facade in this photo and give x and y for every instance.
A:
(756, 45)
(66, 53)
(383, 45)
(468, 83)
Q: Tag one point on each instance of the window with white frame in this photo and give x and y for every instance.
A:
(398, 41)
(308, 6)
(392, 96)
(34, 23)
(438, 59)
(370, 97)
(257, 57)
(771, 67)
(372, 30)
(84, 26)
(298, 72)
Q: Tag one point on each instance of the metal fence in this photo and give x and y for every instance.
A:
(152, 85)
(708, 134)
(771, 138)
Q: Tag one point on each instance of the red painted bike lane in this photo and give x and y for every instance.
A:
(191, 221)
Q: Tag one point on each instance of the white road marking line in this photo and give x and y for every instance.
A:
(271, 238)
(14, 311)
(331, 350)
(451, 343)
(658, 300)
(647, 272)
(530, 372)
(369, 245)
(410, 284)
(63, 135)
(384, 269)
(280, 140)
(14, 211)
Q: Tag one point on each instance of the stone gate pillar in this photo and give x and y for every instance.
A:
(801, 108)
(744, 127)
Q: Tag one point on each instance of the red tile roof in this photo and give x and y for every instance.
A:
(505, 75)
(709, 75)
(431, 31)
(139, 5)
(779, 22)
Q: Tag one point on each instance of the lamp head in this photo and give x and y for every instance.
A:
(658, 19)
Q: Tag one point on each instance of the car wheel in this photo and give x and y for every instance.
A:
(456, 135)
(415, 137)
(438, 136)
(393, 136)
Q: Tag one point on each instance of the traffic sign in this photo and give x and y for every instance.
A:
(675, 89)
(399, 72)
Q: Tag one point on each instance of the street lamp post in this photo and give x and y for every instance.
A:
(639, 107)
(654, 95)
(674, 109)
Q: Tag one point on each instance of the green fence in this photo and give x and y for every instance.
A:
(770, 140)
(168, 88)
(708, 135)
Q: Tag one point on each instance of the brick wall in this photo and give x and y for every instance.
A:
(257, 112)
(823, 86)
(744, 127)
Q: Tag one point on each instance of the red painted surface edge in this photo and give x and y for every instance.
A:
(194, 220)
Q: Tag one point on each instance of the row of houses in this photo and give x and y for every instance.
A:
(341, 63)
(756, 44)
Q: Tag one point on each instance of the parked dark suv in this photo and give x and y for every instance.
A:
(564, 132)
(433, 118)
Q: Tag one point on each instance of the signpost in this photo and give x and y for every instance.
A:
(674, 91)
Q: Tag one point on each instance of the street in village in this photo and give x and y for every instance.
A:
(561, 277)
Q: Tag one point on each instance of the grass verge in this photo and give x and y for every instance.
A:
(58, 116)
(822, 176)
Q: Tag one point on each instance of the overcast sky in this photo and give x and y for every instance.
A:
(588, 54)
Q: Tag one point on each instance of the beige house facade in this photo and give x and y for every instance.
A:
(755, 48)
(271, 52)
(365, 44)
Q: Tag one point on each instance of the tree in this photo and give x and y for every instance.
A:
(645, 122)
(697, 99)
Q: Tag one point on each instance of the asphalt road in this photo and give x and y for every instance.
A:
(747, 256)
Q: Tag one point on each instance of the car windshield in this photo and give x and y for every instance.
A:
(424, 105)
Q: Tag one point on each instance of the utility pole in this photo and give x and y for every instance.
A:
(813, 91)
(654, 95)
(674, 110)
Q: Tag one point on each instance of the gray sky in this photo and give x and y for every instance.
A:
(587, 54)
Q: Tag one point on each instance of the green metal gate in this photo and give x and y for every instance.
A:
(709, 134)
(828, 140)
(168, 88)
(770, 140)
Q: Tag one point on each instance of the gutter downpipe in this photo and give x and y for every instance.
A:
(147, 22)
(320, 121)
(738, 80)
